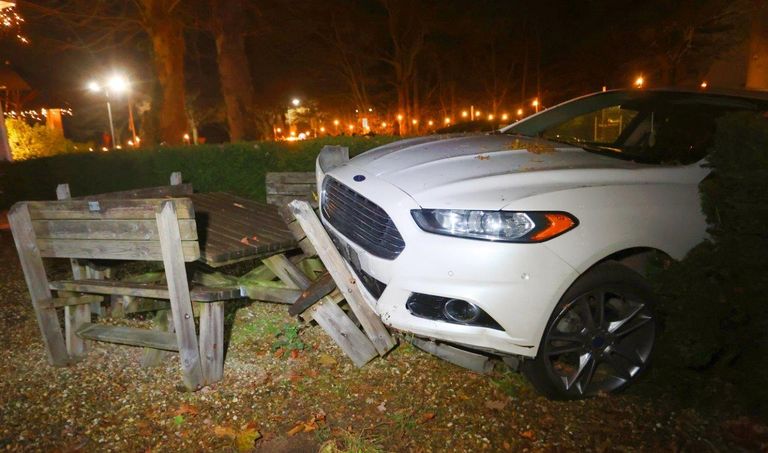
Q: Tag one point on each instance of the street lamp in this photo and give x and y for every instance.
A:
(296, 102)
(116, 84)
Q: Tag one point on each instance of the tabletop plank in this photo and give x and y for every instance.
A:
(223, 220)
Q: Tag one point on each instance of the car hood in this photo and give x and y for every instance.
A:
(489, 171)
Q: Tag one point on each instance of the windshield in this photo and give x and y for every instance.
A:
(642, 126)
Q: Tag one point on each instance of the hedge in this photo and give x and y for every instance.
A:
(238, 168)
(715, 300)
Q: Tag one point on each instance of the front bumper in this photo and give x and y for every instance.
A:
(518, 285)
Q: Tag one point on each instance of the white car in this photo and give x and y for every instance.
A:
(529, 242)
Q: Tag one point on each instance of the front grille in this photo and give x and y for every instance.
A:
(360, 220)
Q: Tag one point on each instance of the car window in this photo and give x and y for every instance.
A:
(603, 126)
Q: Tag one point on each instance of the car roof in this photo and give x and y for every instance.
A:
(754, 95)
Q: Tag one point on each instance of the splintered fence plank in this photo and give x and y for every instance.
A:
(37, 283)
(295, 228)
(212, 341)
(344, 332)
(111, 249)
(181, 304)
(149, 290)
(346, 282)
(127, 230)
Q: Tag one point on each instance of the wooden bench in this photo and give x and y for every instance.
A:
(123, 229)
(284, 187)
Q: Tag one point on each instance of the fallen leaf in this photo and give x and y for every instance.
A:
(326, 360)
(238, 205)
(245, 439)
(382, 407)
(224, 431)
(279, 352)
(296, 429)
(496, 405)
(427, 417)
(481, 157)
(528, 435)
(186, 409)
(294, 353)
(244, 240)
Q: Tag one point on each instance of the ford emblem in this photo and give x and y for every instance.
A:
(359, 178)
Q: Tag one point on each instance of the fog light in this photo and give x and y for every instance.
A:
(461, 311)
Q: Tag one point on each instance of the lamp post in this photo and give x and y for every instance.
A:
(116, 84)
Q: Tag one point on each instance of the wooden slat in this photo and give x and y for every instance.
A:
(161, 323)
(291, 177)
(212, 341)
(112, 287)
(343, 331)
(287, 272)
(277, 295)
(148, 290)
(178, 289)
(125, 230)
(106, 209)
(172, 191)
(316, 291)
(345, 280)
(291, 189)
(111, 250)
(129, 336)
(37, 283)
(72, 300)
(279, 200)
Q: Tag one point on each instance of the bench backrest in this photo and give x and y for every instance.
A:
(284, 187)
(125, 229)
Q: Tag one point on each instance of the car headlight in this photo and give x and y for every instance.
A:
(504, 226)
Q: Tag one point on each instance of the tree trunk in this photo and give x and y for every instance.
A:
(234, 71)
(757, 67)
(166, 31)
(5, 147)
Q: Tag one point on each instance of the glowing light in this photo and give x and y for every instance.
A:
(296, 102)
(490, 117)
(535, 102)
(399, 117)
(414, 121)
(293, 134)
(477, 113)
(119, 147)
(504, 117)
(94, 86)
(335, 122)
(605, 88)
(186, 137)
(11, 20)
(302, 136)
(370, 109)
(447, 120)
(279, 129)
(519, 112)
(118, 83)
(351, 127)
(639, 81)
(384, 124)
(130, 142)
(464, 114)
(104, 148)
(431, 123)
(322, 128)
(704, 85)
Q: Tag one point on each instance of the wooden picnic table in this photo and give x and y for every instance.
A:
(233, 229)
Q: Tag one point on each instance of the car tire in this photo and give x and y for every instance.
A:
(599, 338)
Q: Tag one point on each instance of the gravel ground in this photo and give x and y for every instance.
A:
(277, 396)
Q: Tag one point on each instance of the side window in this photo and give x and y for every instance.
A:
(684, 134)
(602, 127)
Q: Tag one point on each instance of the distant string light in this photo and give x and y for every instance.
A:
(36, 115)
(11, 22)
